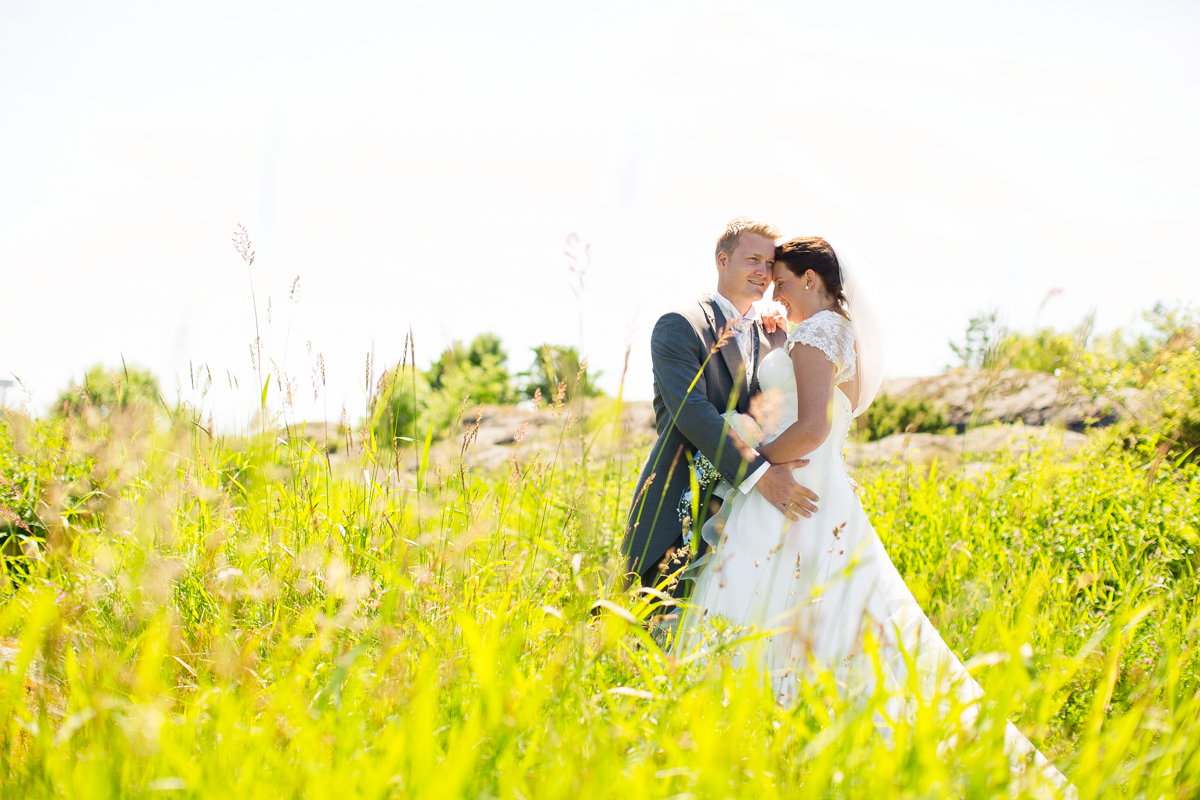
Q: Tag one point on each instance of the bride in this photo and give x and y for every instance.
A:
(823, 584)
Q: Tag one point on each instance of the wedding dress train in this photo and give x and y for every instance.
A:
(824, 583)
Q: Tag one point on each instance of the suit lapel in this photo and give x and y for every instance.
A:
(731, 354)
(764, 347)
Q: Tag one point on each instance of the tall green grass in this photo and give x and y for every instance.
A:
(248, 617)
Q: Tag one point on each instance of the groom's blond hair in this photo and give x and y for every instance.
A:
(734, 230)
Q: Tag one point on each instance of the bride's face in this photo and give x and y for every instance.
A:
(800, 295)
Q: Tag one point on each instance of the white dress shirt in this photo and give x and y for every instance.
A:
(745, 342)
(744, 335)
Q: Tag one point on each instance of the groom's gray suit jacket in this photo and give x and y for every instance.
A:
(689, 420)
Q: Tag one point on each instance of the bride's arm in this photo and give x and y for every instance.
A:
(814, 390)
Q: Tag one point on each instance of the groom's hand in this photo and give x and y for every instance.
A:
(782, 491)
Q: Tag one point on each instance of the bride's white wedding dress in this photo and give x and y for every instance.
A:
(823, 583)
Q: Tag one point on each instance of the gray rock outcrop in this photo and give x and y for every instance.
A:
(978, 397)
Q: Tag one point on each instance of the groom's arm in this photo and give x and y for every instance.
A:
(678, 357)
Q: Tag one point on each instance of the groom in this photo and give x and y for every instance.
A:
(693, 386)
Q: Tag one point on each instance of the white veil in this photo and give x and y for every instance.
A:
(868, 335)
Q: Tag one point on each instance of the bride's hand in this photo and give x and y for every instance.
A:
(773, 319)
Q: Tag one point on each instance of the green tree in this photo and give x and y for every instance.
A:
(410, 404)
(989, 344)
(475, 372)
(478, 368)
(402, 394)
(554, 364)
(108, 389)
(978, 348)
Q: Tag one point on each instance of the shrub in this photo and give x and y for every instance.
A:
(1046, 350)
(888, 415)
(1163, 365)
(1175, 386)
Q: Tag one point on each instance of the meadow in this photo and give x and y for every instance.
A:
(191, 614)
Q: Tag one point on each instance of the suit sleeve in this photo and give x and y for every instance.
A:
(678, 357)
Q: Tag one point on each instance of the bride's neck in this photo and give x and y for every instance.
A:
(818, 310)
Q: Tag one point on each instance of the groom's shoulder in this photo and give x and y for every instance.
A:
(694, 315)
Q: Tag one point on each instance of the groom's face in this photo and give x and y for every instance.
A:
(744, 275)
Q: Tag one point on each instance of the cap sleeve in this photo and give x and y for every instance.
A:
(832, 334)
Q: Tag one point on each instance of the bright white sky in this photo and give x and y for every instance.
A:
(423, 165)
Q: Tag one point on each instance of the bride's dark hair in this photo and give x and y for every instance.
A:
(803, 253)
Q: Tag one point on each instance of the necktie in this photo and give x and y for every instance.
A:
(747, 342)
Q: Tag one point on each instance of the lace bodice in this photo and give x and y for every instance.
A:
(832, 334)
